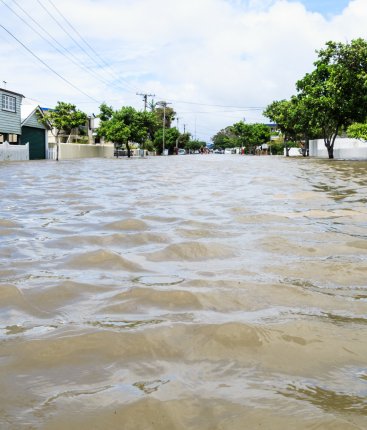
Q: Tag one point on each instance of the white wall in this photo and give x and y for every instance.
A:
(294, 152)
(10, 152)
(344, 148)
(70, 151)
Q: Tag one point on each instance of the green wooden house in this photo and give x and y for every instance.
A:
(10, 116)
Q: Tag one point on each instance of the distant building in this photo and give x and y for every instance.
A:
(273, 128)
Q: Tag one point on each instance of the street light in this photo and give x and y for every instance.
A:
(164, 105)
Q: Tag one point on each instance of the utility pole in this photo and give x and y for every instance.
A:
(184, 128)
(178, 119)
(164, 105)
(145, 98)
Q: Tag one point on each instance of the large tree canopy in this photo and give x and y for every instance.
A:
(171, 139)
(242, 134)
(251, 135)
(358, 131)
(225, 138)
(335, 93)
(293, 120)
(126, 125)
(63, 118)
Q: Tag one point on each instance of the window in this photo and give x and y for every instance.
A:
(8, 103)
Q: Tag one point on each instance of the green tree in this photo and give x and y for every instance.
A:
(170, 138)
(335, 93)
(357, 131)
(293, 120)
(195, 145)
(126, 125)
(168, 112)
(225, 138)
(63, 119)
(183, 140)
(251, 135)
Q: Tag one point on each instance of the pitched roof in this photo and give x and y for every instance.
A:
(11, 92)
(27, 110)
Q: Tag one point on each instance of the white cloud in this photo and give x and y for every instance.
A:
(215, 52)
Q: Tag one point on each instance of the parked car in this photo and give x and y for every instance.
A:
(181, 151)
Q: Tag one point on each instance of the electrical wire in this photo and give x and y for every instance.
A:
(49, 67)
(72, 59)
(91, 57)
(215, 105)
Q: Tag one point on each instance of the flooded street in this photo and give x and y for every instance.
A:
(190, 292)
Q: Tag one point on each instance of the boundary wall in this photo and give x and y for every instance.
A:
(344, 148)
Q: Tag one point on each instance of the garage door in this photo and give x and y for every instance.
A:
(36, 139)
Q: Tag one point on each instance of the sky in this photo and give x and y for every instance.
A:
(216, 62)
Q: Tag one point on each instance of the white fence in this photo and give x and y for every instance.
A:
(344, 148)
(10, 152)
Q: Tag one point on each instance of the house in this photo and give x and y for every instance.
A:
(33, 131)
(10, 116)
(273, 128)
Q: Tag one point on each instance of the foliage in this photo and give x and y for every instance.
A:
(225, 139)
(168, 112)
(170, 137)
(183, 140)
(251, 135)
(126, 125)
(241, 134)
(63, 118)
(277, 147)
(335, 93)
(195, 145)
(292, 118)
(358, 131)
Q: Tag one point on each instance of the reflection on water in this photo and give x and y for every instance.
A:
(196, 292)
(329, 400)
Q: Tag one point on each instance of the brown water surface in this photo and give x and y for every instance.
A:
(194, 292)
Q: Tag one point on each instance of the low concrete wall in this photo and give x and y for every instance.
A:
(344, 148)
(71, 151)
(10, 152)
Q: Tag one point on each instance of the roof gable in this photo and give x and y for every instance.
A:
(3, 90)
(30, 116)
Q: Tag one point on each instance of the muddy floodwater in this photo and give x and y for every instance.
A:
(195, 292)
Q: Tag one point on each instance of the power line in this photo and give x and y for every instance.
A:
(145, 99)
(215, 105)
(91, 57)
(77, 32)
(49, 67)
(65, 31)
(75, 62)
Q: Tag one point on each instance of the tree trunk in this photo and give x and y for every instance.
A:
(128, 150)
(305, 149)
(329, 142)
(330, 150)
(57, 148)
